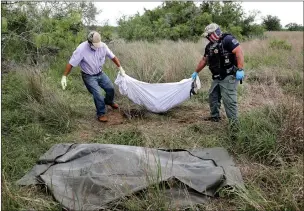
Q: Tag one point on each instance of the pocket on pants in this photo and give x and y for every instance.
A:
(231, 83)
(213, 85)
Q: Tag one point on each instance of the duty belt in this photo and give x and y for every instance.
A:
(230, 71)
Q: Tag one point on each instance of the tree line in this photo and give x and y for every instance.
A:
(40, 31)
(186, 21)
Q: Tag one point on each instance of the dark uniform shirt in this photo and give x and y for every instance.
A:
(220, 58)
(229, 43)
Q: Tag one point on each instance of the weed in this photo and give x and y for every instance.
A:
(128, 137)
(279, 44)
(43, 104)
(270, 188)
(257, 136)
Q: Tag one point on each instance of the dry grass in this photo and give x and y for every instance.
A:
(258, 95)
(34, 198)
(165, 61)
(291, 138)
(271, 188)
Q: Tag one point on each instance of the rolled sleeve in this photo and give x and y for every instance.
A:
(205, 52)
(109, 53)
(76, 57)
(207, 49)
(230, 43)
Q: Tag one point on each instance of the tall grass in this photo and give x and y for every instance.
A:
(272, 134)
(32, 112)
(167, 61)
(271, 188)
(269, 147)
(164, 61)
(38, 101)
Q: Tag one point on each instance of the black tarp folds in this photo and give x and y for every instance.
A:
(90, 176)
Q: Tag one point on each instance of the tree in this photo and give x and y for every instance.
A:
(294, 27)
(272, 23)
(44, 30)
(176, 20)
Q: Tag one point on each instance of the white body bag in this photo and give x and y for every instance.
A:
(156, 97)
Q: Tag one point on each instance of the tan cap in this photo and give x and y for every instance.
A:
(95, 38)
(210, 29)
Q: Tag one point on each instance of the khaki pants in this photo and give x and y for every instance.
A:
(225, 89)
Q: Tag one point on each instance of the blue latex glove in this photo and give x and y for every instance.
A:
(239, 74)
(194, 75)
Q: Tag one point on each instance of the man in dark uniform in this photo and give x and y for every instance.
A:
(225, 59)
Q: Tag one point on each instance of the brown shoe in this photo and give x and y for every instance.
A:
(103, 118)
(114, 105)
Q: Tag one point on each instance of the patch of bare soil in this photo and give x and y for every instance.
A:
(153, 127)
(193, 114)
(90, 124)
(173, 120)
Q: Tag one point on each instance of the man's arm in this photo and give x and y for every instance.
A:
(111, 56)
(240, 63)
(239, 57)
(68, 69)
(116, 61)
(74, 61)
(201, 64)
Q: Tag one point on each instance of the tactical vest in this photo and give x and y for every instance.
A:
(221, 62)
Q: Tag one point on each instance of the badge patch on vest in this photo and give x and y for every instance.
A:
(215, 51)
(234, 41)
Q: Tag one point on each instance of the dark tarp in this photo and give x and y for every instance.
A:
(90, 176)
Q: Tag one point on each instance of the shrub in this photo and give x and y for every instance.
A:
(279, 44)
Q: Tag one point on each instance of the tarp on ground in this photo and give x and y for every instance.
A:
(90, 176)
(156, 97)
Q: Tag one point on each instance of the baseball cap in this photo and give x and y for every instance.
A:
(210, 29)
(95, 38)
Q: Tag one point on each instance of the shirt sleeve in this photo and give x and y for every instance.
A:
(76, 57)
(206, 50)
(230, 43)
(205, 53)
(109, 53)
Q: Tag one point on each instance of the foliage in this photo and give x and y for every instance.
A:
(279, 44)
(294, 27)
(272, 23)
(43, 31)
(107, 32)
(185, 21)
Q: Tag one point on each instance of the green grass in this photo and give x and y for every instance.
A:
(33, 117)
(131, 137)
(280, 44)
(257, 136)
(271, 188)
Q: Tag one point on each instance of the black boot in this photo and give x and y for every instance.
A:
(212, 119)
